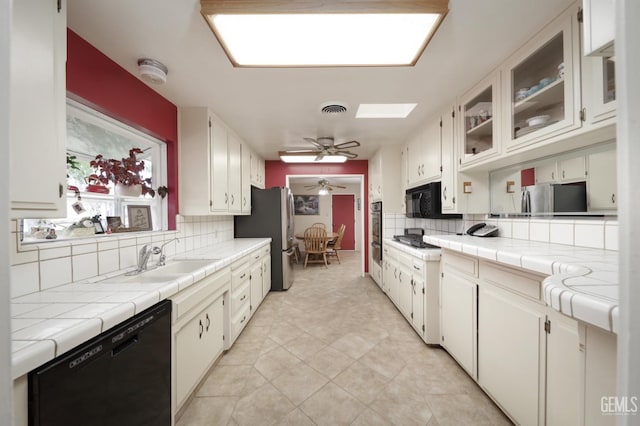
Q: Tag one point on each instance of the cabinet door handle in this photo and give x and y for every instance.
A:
(200, 329)
(416, 268)
(553, 175)
(226, 198)
(444, 193)
(244, 201)
(208, 322)
(613, 198)
(243, 297)
(243, 318)
(563, 174)
(243, 275)
(61, 190)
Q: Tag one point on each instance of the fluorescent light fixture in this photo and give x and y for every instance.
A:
(319, 33)
(384, 110)
(288, 157)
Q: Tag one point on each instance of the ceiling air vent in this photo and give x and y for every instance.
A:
(333, 109)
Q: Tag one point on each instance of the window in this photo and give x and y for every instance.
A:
(90, 133)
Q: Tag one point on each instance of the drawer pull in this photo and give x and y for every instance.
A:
(200, 329)
(243, 318)
(208, 322)
(243, 275)
(243, 297)
(416, 268)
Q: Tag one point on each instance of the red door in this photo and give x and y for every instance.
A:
(343, 212)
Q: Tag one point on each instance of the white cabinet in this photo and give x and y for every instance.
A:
(572, 169)
(541, 94)
(601, 182)
(257, 171)
(38, 108)
(547, 172)
(210, 164)
(511, 352)
(460, 192)
(479, 119)
(266, 274)
(563, 371)
(599, 26)
(599, 364)
(375, 178)
(198, 329)
(256, 285)
(405, 290)
(240, 303)
(599, 88)
(423, 153)
(385, 180)
(418, 297)
(198, 343)
(246, 179)
(458, 320)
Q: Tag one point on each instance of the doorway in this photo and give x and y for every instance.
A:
(343, 211)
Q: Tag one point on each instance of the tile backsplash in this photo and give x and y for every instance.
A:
(36, 267)
(584, 232)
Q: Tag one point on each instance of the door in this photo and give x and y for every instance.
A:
(343, 212)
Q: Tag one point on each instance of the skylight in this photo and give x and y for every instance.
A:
(384, 110)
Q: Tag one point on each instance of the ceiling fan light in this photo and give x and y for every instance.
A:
(291, 157)
(323, 191)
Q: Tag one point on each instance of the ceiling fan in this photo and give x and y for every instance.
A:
(327, 146)
(324, 184)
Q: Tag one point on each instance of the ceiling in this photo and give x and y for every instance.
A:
(275, 108)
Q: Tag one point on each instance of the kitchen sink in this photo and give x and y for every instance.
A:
(171, 271)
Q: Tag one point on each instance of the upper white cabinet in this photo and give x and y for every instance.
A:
(599, 26)
(599, 88)
(541, 84)
(210, 165)
(246, 179)
(384, 179)
(601, 182)
(423, 153)
(38, 110)
(479, 120)
(257, 171)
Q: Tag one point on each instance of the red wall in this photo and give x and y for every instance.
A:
(96, 81)
(277, 171)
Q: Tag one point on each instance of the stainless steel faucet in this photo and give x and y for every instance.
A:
(144, 255)
(160, 250)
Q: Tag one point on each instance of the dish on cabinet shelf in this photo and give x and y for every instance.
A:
(550, 94)
(537, 120)
(526, 130)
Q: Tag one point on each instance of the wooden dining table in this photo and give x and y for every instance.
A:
(330, 236)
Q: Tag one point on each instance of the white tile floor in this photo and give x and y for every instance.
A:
(333, 350)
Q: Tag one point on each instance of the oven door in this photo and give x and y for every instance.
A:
(376, 252)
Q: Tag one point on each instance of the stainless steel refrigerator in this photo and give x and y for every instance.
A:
(272, 216)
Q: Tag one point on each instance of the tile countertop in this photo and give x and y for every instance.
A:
(48, 323)
(582, 283)
(427, 254)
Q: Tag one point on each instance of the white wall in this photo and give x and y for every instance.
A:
(628, 92)
(5, 294)
(302, 222)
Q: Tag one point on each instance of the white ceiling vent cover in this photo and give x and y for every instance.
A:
(152, 71)
(333, 108)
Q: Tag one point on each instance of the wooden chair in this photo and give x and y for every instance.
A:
(315, 246)
(296, 251)
(319, 225)
(334, 246)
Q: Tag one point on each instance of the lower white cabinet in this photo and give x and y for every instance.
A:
(198, 344)
(511, 352)
(458, 298)
(256, 285)
(598, 362)
(563, 371)
(198, 331)
(266, 273)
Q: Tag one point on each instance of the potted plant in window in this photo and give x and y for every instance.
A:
(125, 174)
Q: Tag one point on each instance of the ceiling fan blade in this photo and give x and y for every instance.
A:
(349, 155)
(347, 145)
(320, 156)
(311, 186)
(339, 186)
(302, 151)
(314, 143)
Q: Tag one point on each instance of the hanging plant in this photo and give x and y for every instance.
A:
(123, 172)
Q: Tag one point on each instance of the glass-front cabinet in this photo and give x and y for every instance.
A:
(478, 121)
(541, 84)
(601, 92)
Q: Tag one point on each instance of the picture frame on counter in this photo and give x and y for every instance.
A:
(139, 217)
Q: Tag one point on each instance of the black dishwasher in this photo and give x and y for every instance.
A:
(120, 378)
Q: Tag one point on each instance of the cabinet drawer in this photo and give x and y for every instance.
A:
(520, 282)
(239, 298)
(186, 300)
(460, 263)
(240, 277)
(239, 321)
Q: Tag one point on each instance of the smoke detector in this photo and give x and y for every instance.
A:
(152, 71)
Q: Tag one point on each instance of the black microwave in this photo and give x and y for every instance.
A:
(425, 202)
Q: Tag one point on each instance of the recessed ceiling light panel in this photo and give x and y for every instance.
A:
(320, 33)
